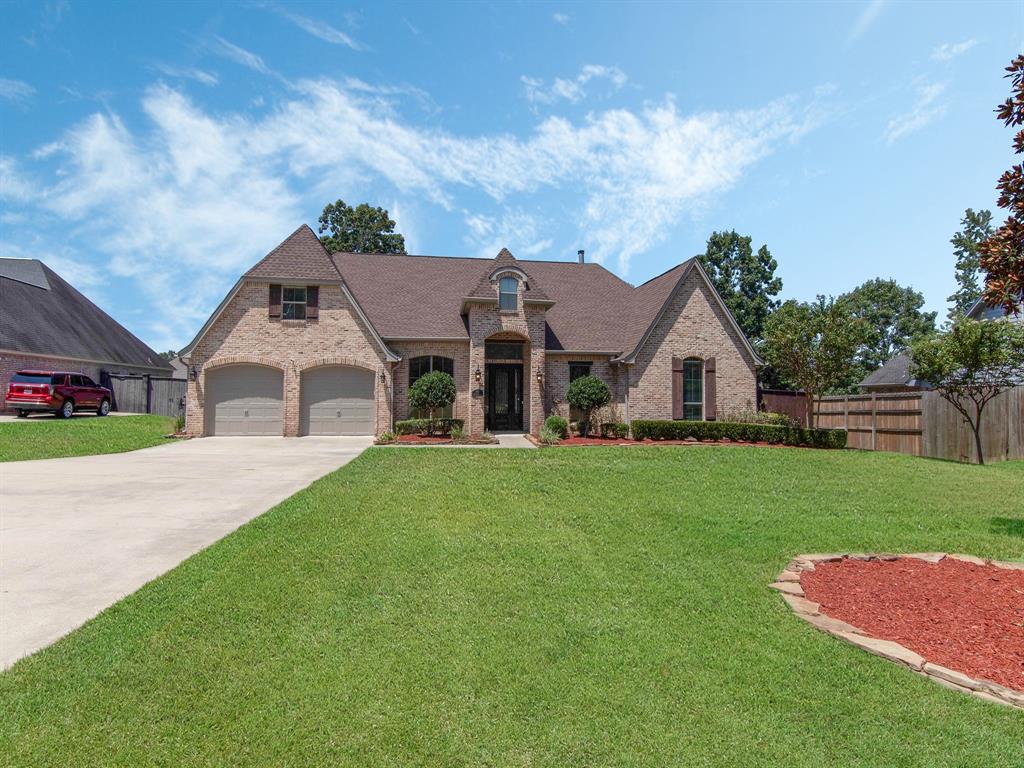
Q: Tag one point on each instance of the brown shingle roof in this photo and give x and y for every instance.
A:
(485, 290)
(301, 257)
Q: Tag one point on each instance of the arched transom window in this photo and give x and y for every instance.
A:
(508, 294)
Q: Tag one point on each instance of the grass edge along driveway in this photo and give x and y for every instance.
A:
(569, 607)
(42, 438)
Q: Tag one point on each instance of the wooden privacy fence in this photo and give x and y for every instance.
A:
(139, 393)
(924, 424)
(793, 404)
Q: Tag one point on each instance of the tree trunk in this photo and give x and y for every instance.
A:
(811, 421)
(976, 426)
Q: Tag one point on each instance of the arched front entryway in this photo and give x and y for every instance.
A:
(507, 357)
(244, 400)
(336, 400)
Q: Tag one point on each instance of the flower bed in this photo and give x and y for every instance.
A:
(437, 440)
(954, 618)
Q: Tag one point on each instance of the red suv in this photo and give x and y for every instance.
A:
(58, 392)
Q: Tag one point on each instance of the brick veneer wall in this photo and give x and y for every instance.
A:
(693, 326)
(527, 323)
(557, 382)
(11, 363)
(245, 334)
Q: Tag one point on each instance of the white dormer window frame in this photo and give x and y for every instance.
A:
(508, 293)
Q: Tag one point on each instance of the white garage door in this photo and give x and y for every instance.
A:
(337, 400)
(244, 400)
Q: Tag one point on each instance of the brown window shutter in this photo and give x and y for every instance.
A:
(312, 302)
(677, 388)
(275, 300)
(710, 390)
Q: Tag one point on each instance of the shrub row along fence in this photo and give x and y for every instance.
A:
(135, 393)
(748, 433)
(924, 424)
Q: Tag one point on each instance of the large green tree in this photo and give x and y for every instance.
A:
(1002, 255)
(813, 346)
(746, 280)
(975, 228)
(362, 229)
(891, 320)
(971, 364)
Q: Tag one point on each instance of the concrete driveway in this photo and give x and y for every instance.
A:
(78, 534)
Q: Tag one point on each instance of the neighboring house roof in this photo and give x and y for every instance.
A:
(42, 314)
(895, 372)
(981, 311)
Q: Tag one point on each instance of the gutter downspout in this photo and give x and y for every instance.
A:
(629, 420)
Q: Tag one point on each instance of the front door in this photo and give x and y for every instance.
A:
(504, 397)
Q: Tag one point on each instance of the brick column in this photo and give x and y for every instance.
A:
(291, 400)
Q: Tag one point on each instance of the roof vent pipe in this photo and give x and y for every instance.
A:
(579, 255)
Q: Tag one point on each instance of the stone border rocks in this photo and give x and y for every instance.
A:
(788, 585)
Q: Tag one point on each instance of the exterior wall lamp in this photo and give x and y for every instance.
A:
(476, 375)
(540, 376)
(193, 373)
(383, 377)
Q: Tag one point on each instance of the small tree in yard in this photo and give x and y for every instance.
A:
(587, 394)
(813, 346)
(971, 364)
(431, 392)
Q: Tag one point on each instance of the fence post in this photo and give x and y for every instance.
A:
(874, 422)
(846, 413)
(149, 394)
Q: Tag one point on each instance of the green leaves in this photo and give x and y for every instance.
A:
(745, 280)
(359, 230)
(432, 391)
(976, 227)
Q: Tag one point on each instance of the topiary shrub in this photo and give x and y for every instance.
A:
(587, 394)
(558, 425)
(432, 392)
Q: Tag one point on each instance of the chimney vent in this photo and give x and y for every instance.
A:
(579, 255)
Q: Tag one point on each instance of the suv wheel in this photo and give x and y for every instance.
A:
(22, 414)
(67, 410)
(104, 408)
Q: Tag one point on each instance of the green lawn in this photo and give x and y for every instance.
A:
(566, 607)
(42, 438)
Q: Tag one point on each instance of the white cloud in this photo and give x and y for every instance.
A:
(13, 185)
(15, 90)
(185, 204)
(948, 51)
(926, 108)
(241, 56)
(571, 90)
(190, 73)
(865, 20)
(321, 30)
(561, 18)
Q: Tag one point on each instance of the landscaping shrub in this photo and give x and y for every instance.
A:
(748, 433)
(432, 392)
(386, 437)
(558, 424)
(549, 436)
(428, 426)
(587, 394)
(457, 432)
(616, 429)
(752, 416)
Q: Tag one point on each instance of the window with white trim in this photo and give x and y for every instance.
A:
(693, 390)
(293, 302)
(508, 294)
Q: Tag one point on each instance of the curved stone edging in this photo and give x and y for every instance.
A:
(788, 584)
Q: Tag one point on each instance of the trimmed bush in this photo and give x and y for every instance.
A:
(558, 425)
(616, 429)
(587, 394)
(747, 433)
(428, 426)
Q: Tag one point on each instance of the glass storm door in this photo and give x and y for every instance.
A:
(504, 397)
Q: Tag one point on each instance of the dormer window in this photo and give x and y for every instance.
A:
(293, 307)
(508, 294)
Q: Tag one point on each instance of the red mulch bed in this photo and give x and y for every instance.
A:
(956, 614)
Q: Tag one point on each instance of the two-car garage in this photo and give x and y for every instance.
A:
(249, 400)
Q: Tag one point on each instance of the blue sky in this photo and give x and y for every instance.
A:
(152, 152)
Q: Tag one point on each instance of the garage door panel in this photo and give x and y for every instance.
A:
(337, 400)
(244, 400)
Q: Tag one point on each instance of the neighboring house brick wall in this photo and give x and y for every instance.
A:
(11, 363)
(245, 334)
(458, 351)
(693, 326)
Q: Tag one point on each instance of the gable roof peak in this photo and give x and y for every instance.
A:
(301, 255)
(504, 255)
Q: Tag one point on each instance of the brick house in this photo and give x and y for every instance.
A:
(308, 342)
(46, 324)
